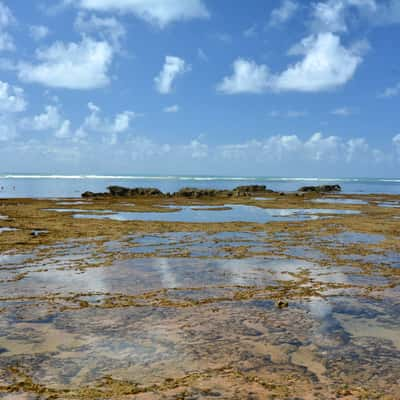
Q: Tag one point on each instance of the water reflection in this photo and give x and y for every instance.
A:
(205, 214)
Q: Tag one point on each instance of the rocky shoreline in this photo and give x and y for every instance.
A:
(195, 193)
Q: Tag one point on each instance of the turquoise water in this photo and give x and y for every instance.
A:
(73, 185)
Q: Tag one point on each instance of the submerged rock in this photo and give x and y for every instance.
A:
(321, 189)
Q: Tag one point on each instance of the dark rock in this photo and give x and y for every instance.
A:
(92, 194)
(321, 189)
(250, 190)
(195, 193)
(121, 191)
(282, 304)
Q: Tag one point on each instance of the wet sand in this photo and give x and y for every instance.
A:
(292, 308)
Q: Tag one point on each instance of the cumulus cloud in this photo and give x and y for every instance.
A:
(6, 20)
(49, 119)
(171, 109)
(283, 13)
(316, 149)
(326, 64)
(337, 15)
(64, 130)
(107, 28)
(38, 32)
(12, 98)
(173, 67)
(333, 15)
(158, 12)
(82, 65)
(247, 77)
(111, 128)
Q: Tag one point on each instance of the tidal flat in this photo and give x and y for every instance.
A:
(294, 297)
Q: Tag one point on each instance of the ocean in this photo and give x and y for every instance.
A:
(53, 186)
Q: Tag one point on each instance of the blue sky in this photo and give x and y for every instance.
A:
(269, 88)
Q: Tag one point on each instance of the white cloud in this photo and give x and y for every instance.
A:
(38, 32)
(247, 77)
(173, 67)
(283, 13)
(6, 19)
(49, 119)
(315, 149)
(171, 109)
(82, 65)
(95, 122)
(384, 12)
(326, 64)
(333, 15)
(197, 149)
(337, 15)
(108, 29)
(355, 148)
(64, 131)
(342, 111)
(12, 98)
(391, 91)
(159, 12)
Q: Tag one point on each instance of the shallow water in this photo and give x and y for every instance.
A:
(390, 204)
(200, 317)
(231, 213)
(355, 237)
(7, 229)
(316, 339)
(331, 200)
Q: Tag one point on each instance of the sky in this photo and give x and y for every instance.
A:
(210, 87)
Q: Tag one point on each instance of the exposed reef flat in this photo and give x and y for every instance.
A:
(105, 309)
